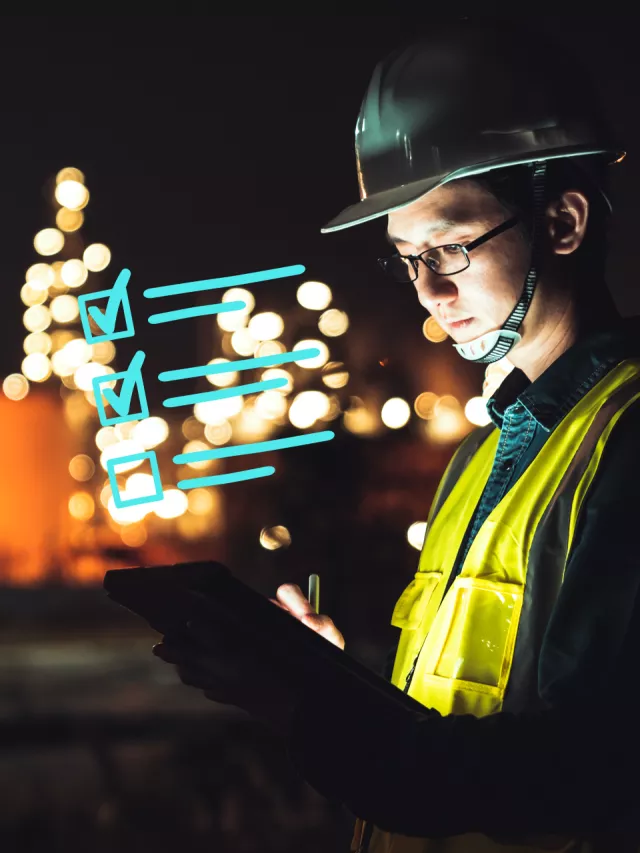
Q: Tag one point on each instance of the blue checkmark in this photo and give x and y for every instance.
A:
(106, 320)
(121, 402)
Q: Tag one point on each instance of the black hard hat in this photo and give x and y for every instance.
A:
(469, 98)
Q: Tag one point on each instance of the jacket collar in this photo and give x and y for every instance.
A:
(556, 391)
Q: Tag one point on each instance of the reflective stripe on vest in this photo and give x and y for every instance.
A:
(463, 645)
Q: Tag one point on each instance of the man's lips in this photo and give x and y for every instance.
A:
(460, 324)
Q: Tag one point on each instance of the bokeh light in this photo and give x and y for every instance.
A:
(122, 448)
(173, 504)
(222, 380)
(219, 433)
(307, 407)
(85, 374)
(243, 342)
(279, 373)
(201, 501)
(476, 411)
(37, 342)
(150, 432)
(31, 295)
(416, 534)
(433, 331)
(316, 360)
(424, 405)
(103, 352)
(105, 437)
(82, 467)
(77, 352)
(64, 308)
(96, 257)
(334, 374)
(270, 405)
(37, 318)
(192, 427)
(266, 326)
(49, 241)
(73, 273)
(36, 367)
(314, 295)
(216, 411)
(15, 386)
(269, 348)
(276, 537)
(360, 419)
(239, 294)
(69, 220)
(72, 194)
(81, 506)
(70, 173)
(197, 446)
(395, 413)
(333, 323)
(40, 276)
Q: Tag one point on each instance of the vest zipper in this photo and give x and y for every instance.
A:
(411, 671)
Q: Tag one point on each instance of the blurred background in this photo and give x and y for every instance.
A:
(187, 148)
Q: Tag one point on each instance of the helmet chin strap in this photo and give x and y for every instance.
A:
(495, 345)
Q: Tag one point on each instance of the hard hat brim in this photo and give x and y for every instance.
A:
(381, 203)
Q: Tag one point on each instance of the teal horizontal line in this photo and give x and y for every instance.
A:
(256, 447)
(225, 281)
(223, 393)
(221, 479)
(198, 311)
(241, 364)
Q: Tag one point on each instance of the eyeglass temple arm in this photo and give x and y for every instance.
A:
(493, 233)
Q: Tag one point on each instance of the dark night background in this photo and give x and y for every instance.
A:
(216, 145)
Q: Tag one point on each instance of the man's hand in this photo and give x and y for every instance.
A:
(291, 598)
(230, 668)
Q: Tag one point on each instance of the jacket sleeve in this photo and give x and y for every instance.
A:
(570, 768)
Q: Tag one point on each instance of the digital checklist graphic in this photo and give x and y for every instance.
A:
(110, 312)
(111, 301)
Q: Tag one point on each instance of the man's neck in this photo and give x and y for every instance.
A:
(534, 356)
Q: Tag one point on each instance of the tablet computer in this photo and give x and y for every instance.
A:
(167, 597)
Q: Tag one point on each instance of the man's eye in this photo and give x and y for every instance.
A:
(452, 250)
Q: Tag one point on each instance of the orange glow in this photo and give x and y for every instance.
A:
(35, 448)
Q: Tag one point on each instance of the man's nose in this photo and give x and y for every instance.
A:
(432, 288)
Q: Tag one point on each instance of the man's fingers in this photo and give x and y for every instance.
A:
(294, 599)
(324, 626)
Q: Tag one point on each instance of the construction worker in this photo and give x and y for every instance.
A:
(520, 632)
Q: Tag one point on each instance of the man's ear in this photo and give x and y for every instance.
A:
(567, 219)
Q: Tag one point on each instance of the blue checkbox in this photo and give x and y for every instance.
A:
(116, 298)
(121, 403)
(157, 495)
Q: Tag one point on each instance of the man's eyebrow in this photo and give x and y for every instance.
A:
(440, 225)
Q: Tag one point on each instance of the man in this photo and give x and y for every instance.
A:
(520, 632)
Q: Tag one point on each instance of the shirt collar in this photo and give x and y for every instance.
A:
(556, 391)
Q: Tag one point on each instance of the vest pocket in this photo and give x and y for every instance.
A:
(465, 662)
(412, 604)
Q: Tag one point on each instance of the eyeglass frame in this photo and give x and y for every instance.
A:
(489, 235)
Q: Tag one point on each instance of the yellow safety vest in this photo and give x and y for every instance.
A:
(464, 643)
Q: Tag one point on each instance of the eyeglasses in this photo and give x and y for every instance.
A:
(442, 260)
